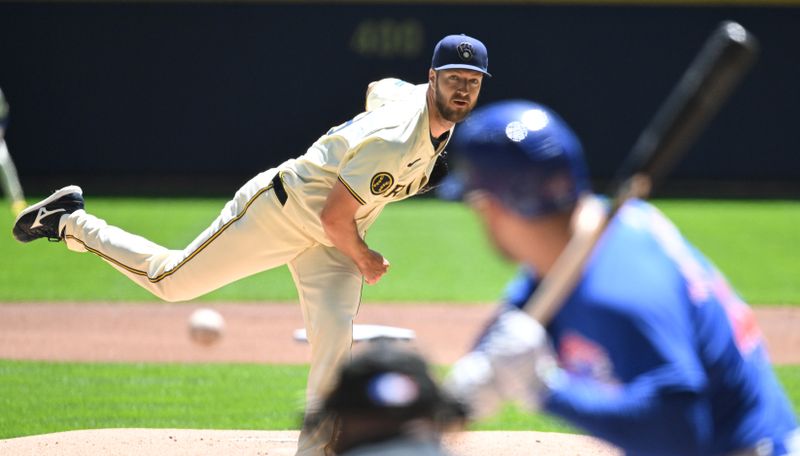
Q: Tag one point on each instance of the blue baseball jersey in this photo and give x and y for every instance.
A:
(520, 288)
(663, 356)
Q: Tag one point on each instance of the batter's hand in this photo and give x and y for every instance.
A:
(471, 381)
(373, 266)
(513, 361)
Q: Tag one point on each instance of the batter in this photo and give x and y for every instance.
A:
(310, 213)
(652, 351)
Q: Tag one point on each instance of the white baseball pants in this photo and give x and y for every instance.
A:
(254, 232)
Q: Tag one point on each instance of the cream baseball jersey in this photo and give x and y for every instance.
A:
(382, 155)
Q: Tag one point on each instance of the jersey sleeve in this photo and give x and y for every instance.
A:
(386, 91)
(653, 377)
(371, 171)
(519, 289)
(637, 416)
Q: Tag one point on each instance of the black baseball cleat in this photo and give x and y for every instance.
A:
(41, 219)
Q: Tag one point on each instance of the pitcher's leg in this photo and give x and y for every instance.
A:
(329, 286)
(250, 235)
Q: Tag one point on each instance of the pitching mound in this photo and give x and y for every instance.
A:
(180, 442)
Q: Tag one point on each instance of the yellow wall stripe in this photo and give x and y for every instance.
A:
(645, 3)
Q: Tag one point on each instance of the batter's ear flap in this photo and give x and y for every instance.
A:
(487, 205)
(479, 200)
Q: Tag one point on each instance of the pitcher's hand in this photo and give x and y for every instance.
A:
(373, 266)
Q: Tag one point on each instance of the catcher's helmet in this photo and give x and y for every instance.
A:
(522, 153)
(388, 380)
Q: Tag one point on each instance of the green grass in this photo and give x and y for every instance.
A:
(43, 271)
(437, 249)
(755, 243)
(428, 243)
(40, 397)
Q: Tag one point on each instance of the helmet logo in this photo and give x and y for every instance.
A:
(516, 131)
(465, 51)
(380, 183)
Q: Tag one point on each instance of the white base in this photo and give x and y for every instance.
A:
(368, 332)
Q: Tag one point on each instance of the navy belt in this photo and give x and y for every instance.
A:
(277, 187)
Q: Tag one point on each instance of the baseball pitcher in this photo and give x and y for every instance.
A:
(310, 213)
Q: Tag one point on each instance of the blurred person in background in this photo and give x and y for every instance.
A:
(8, 172)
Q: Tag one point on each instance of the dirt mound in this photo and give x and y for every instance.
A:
(262, 333)
(191, 442)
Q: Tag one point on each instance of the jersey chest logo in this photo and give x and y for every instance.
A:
(584, 357)
(380, 183)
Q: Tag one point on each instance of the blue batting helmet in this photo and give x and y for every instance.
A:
(522, 153)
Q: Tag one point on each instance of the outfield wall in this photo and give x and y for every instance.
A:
(121, 93)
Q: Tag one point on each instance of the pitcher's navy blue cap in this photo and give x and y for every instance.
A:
(460, 51)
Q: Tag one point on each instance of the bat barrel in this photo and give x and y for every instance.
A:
(722, 61)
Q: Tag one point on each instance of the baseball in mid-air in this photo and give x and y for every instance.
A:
(206, 326)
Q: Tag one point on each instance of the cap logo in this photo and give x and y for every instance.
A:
(465, 51)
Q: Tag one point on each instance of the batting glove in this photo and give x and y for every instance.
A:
(471, 382)
(513, 362)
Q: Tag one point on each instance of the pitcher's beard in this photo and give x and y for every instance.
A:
(449, 114)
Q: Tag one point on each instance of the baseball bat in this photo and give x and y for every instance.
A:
(724, 59)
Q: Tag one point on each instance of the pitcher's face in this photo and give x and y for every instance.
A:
(455, 92)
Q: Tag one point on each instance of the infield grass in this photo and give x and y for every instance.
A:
(40, 397)
(437, 250)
